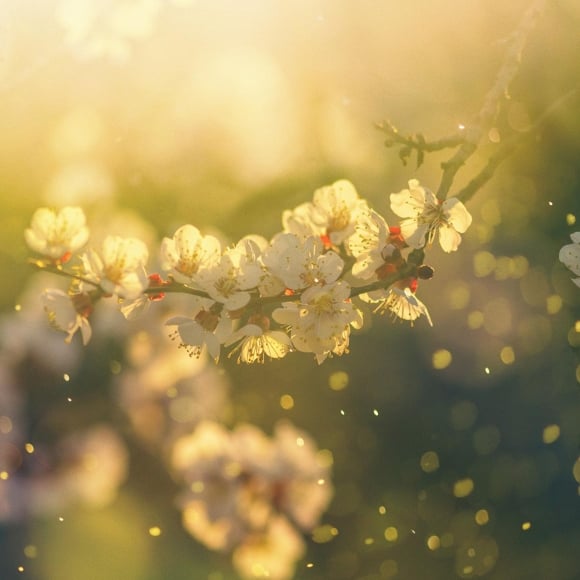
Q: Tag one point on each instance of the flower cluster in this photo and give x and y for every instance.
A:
(251, 494)
(302, 290)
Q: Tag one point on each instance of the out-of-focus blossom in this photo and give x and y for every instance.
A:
(119, 268)
(86, 467)
(332, 214)
(320, 322)
(570, 256)
(95, 465)
(308, 489)
(63, 313)
(57, 234)
(272, 553)
(207, 327)
(206, 461)
(188, 252)
(25, 336)
(257, 341)
(300, 263)
(166, 394)
(106, 29)
(424, 216)
(230, 280)
(80, 182)
(250, 493)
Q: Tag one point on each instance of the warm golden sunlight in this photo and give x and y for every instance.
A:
(290, 290)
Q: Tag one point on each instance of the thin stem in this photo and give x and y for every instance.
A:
(54, 269)
(405, 271)
(384, 283)
(417, 142)
(175, 287)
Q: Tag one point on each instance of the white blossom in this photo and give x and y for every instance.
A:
(320, 322)
(230, 280)
(401, 302)
(332, 214)
(424, 216)
(369, 244)
(63, 315)
(119, 267)
(256, 341)
(207, 328)
(57, 234)
(300, 263)
(570, 256)
(188, 252)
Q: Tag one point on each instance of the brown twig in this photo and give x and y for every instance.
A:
(416, 142)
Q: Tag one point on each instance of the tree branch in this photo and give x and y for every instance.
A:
(487, 115)
(511, 144)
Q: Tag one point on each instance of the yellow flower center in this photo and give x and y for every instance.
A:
(226, 286)
(339, 220)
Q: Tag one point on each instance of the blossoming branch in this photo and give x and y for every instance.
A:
(258, 298)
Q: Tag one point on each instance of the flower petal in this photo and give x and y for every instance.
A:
(570, 257)
(409, 203)
(449, 238)
(457, 215)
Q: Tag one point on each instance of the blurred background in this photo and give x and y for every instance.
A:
(454, 449)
